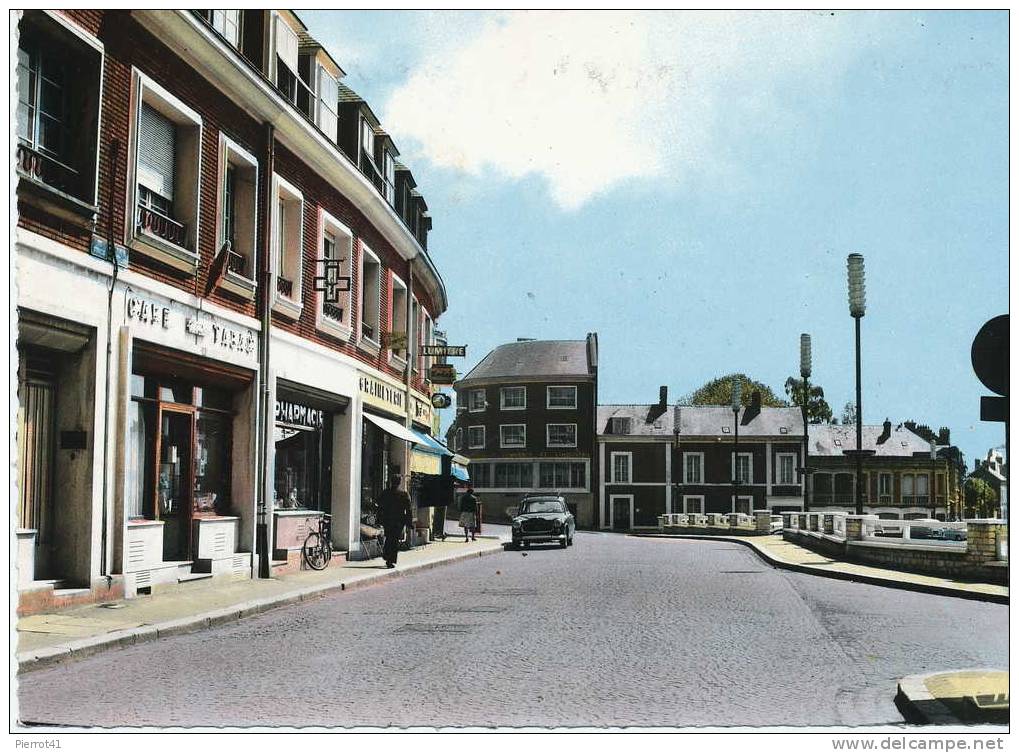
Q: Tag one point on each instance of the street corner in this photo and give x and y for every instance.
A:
(971, 696)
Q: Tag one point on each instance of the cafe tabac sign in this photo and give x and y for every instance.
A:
(391, 397)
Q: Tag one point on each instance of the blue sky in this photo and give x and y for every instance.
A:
(688, 185)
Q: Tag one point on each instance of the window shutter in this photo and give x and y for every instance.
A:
(286, 45)
(156, 150)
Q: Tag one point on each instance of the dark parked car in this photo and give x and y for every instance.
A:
(543, 519)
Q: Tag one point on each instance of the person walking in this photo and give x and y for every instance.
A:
(469, 514)
(396, 514)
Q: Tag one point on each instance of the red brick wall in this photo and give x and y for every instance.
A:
(128, 44)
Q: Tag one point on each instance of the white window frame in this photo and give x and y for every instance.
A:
(321, 103)
(612, 467)
(389, 176)
(367, 138)
(750, 467)
(750, 505)
(687, 498)
(470, 401)
(274, 47)
(233, 154)
(471, 444)
(219, 24)
(779, 457)
(700, 467)
(885, 497)
(502, 397)
(397, 283)
(288, 307)
(344, 237)
(548, 396)
(370, 344)
(582, 462)
(502, 436)
(548, 436)
(189, 137)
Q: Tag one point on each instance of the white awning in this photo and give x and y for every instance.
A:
(393, 428)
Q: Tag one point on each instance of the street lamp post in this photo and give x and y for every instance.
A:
(805, 375)
(736, 389)
(857, 309)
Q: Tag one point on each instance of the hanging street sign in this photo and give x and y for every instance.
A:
(442, 373)
(457, 351)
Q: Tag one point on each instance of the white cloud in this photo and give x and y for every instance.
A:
(589, 100)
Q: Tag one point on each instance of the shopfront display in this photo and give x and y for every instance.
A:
(302, 436)
(180, 445)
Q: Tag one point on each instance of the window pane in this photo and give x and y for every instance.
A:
(212, 463)
(578, 477)
(546, 473)
(156, 152)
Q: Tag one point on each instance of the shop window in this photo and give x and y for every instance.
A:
(513, 398)
(561, 435)
(166, 161)
(57, 112)
(562, 475)
(512, 435)
(370, 291)
(303, 445)
(238, 201)
(336, 244)
(398, 316)
(562, 397)
(513, 475)
(288, 239)
(481, 474)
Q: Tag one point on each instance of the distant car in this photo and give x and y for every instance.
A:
(542, 520)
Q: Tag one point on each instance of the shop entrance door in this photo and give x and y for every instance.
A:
(621, 512)
(175, 479)
(35, 458)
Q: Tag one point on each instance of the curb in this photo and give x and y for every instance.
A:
(839, 575)
(84, 647)
(918, 705)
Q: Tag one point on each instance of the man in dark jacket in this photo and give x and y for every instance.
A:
(395, 513)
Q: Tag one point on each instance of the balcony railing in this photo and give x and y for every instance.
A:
(285, 287)
(331, 311)
(915, 500)
(237, 263)
(162, 226)
(827, 498)
(45, 169)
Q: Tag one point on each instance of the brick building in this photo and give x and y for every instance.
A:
(896, 478)
(251, 359)
(659, 459)
(525, 418)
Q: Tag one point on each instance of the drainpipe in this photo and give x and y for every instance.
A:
(262, 412)
(111, 255)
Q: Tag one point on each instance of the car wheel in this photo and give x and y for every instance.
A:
(569, 541)
(563, 542)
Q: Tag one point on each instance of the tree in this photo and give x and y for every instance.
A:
(849, 414)
(818, 410)
(981, 500)
(719, 392)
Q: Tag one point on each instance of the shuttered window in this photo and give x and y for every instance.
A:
(157, 145)
(329, 95)
(286, 44)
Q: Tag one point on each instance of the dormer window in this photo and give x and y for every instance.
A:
(286, 60)
(367, 137)
(327, 117)
(620, 425)
(228, 24)
(390, 175)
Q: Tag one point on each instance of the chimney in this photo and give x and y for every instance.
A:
(753, 410)
(944, 435)
(886, 432)
(656, 411)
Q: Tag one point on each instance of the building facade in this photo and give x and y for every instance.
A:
(525, 419)
(659, 459)
(220, 299)
(896, 477)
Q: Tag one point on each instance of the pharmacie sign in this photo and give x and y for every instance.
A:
(296, 414)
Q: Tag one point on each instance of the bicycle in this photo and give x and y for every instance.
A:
(318, 547)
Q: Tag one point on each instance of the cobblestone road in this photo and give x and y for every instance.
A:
(614, 631)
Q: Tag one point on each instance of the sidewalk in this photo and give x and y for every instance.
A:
(972, 696)
(780, 553)
(81, 631)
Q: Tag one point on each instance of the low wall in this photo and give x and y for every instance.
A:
(976, 561)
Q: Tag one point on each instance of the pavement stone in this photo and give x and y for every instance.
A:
(785, 554)
(947, 697)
